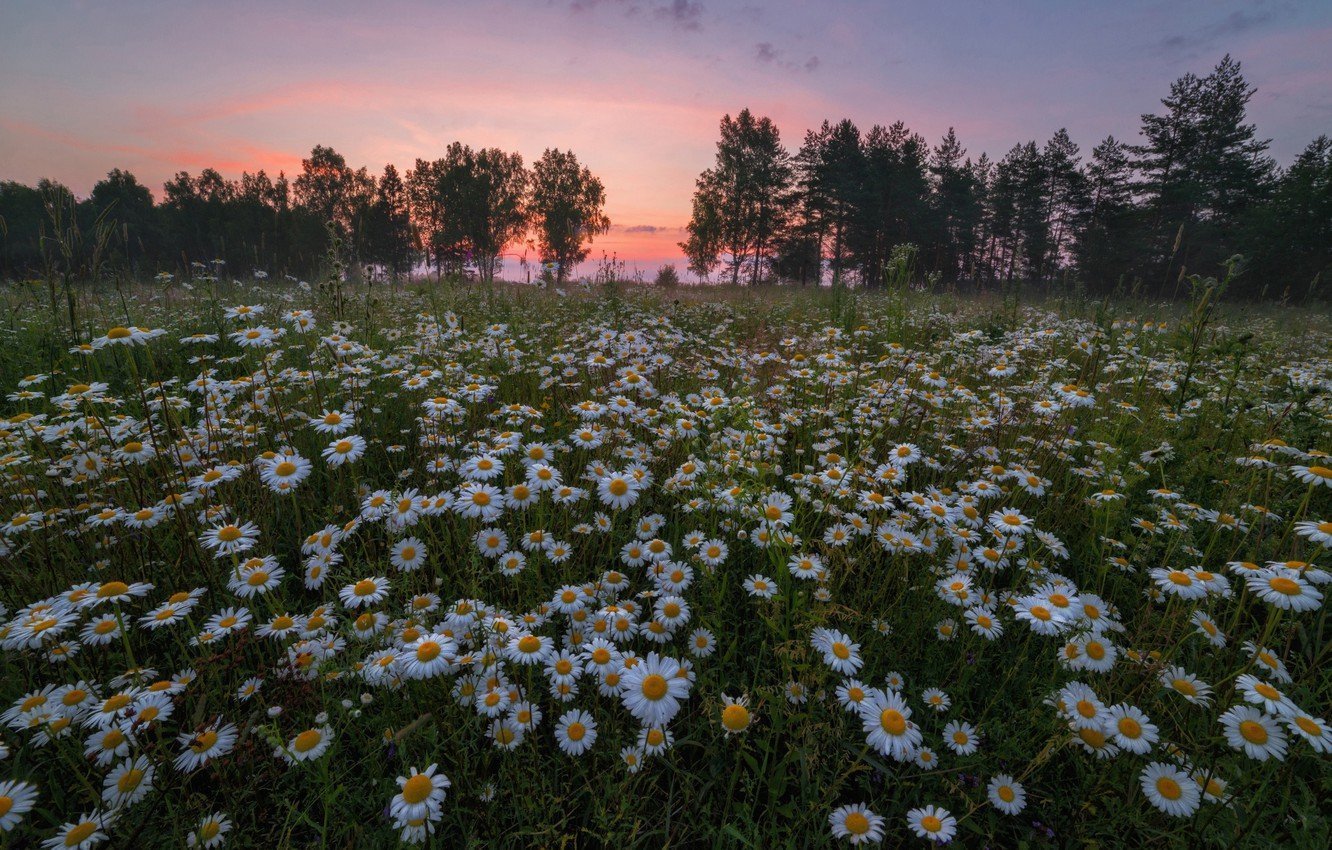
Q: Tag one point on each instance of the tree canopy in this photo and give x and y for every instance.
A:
(1196, 189)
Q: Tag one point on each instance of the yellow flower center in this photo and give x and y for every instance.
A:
(1092, 737)
(130, 780)
(417, 788)
(735, 717)
(892, 721)
(856, 823)
(307, 740)
(112, 588)
(1283, 585)
(1169, 788)
(654, 687)
(427, 652)
(80, 833)
(1253, 732)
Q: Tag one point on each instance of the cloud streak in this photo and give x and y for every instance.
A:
(1234, 24)
(766, 54)
(682, 14)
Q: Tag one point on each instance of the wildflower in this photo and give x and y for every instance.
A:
(1256, 734)
(576, 732)
(839, 652)
(307, 746)
(84, 832)
(962, 738)
(887, 724)
(419, 795)
(128, 783)
(17, 798)
(1187, 685)
(735, 715)
(617, 491)
(1316, 731)
(857, 824)
(346, 449)
(1169, 789)
(408, 554)
(1131, 729)
(1263, 695)
(213, 741)
(211, 831)
(1006, 794)
(1314, 476)
(653, 688)
(367, 591)
(760, 586)
(284, 472)
(230, 539)
(1284, 589)
(932, 823)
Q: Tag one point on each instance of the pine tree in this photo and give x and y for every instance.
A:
(1290, 237)
(956, 206)
(1066, 201)
(1103, 248)
(894, 203)
(1202, 167)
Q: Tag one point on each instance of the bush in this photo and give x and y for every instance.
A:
(667, 277)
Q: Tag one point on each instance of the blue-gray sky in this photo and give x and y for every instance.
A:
(635, 87)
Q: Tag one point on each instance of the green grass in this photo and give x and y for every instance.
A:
(843, 382)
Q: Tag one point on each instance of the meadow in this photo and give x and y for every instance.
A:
(456, 565)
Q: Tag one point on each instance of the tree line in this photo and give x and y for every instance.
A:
(1197, 189)
(457, 215)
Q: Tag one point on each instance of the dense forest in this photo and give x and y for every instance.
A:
(457, 215)
(1196, 189)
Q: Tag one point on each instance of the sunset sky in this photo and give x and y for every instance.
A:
(635, 88)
